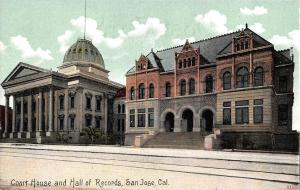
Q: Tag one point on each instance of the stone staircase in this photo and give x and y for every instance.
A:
(181, 140)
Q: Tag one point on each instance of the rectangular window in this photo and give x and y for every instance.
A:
(242, 112)
(72, 123)
(61, 102)
(72, 101)
(88, 103)
(283, 114)
(98, 103)
(88, 121)
(61, 123)
(258, 111)
(226, 113)
(141, 118)
(98, 122)
(282, 84)
(123, 124)
(150, 117)
(132, 118)
(119, 124)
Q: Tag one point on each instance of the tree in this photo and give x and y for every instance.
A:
(92, 133)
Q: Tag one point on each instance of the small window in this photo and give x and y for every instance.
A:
(259, 76)
(209, 84)
(88, 103)
(192, 86)
(226, 81)
(150, 117)
(123, 108)
(283, 114)
(242, 75)
(258, 111)
(180, 64)
(283, 84)
(184, 63)
(141, 91)
(98, 122)
(119, 125)
(132, 94)
(227, 113)
(72, 101)
(182, 87)
(168, 89)
(98, 103)
(193, 61)
(242, 112)
(61, 123)
(132, 118)
(151, 90)
(72, 123)
(88, 121)
(119, 108)
(61, 102)
(141, 118)
(189, 62)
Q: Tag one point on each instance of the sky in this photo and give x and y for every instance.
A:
(39, 32)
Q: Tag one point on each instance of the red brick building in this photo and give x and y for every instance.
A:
(235, 82)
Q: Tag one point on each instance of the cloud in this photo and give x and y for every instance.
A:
(64, 40)
(152, 27)
(256, 27)
(21, 43)
(258, 10)
(178, 41)
(213, 20)
(2, 47)
(290, 40)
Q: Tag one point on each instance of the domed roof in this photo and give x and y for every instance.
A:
(83, 51)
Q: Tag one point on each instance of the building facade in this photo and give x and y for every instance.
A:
(49, 105)
(235, 82)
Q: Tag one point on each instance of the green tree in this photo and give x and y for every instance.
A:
(92, 133)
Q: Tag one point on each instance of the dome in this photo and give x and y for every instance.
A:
(83, 51)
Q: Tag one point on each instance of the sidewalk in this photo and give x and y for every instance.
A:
(288, 159)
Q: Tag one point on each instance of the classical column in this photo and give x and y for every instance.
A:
(66, 110)
(196, 123)
(177, 124)
(13, 117)
(6, 114)
(29, 112)
(22, 114)
(50, 119)
(40, 112)
(105, 97)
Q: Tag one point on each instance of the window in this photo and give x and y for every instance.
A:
(209, 84)
(123, 108)
(98, 122)
(258, 111)
(119, 108)
(182, 87)
(132, 95)
(242, 77)
(88, 121)
(141, 91)
(246, 45)
(72, 101)
(226, 113)
(168, 89)
(98, 103)
(61, 123)
(72, 123)
(88, 102)
(132, 118)
(151, 90)
(184, 63)
(192, 86)
(119, 125)
(123, 124)
(242, 112)
(150, 117)
(193, 61)
(282, 114)
(259, 76)
(282, 84)
(141, 117)
(226, 81)
(189, 62)
(180, 64)
(61, 102)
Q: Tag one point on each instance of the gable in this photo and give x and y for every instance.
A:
(24, 72)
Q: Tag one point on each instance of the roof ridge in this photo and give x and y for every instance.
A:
(287, 49)
(205, 39)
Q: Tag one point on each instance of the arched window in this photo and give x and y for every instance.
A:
(180, 64)
(192, 86)
(182, 87)
(132, 95)
(123, 108)
(119, 108)
(209, 84)
(259, 76)
(151, 90)
(184, 63)
(242, 77)
(141, 91)
(189, 62)
(193, 61)
(168, 89)
(226, 80)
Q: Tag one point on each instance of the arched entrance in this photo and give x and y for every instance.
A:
(169, 122)
(187, 120)
(207, 120)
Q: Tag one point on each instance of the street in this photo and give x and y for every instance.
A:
(104, 167)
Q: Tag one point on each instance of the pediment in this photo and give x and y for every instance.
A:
(187, 46)
(23, 70)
